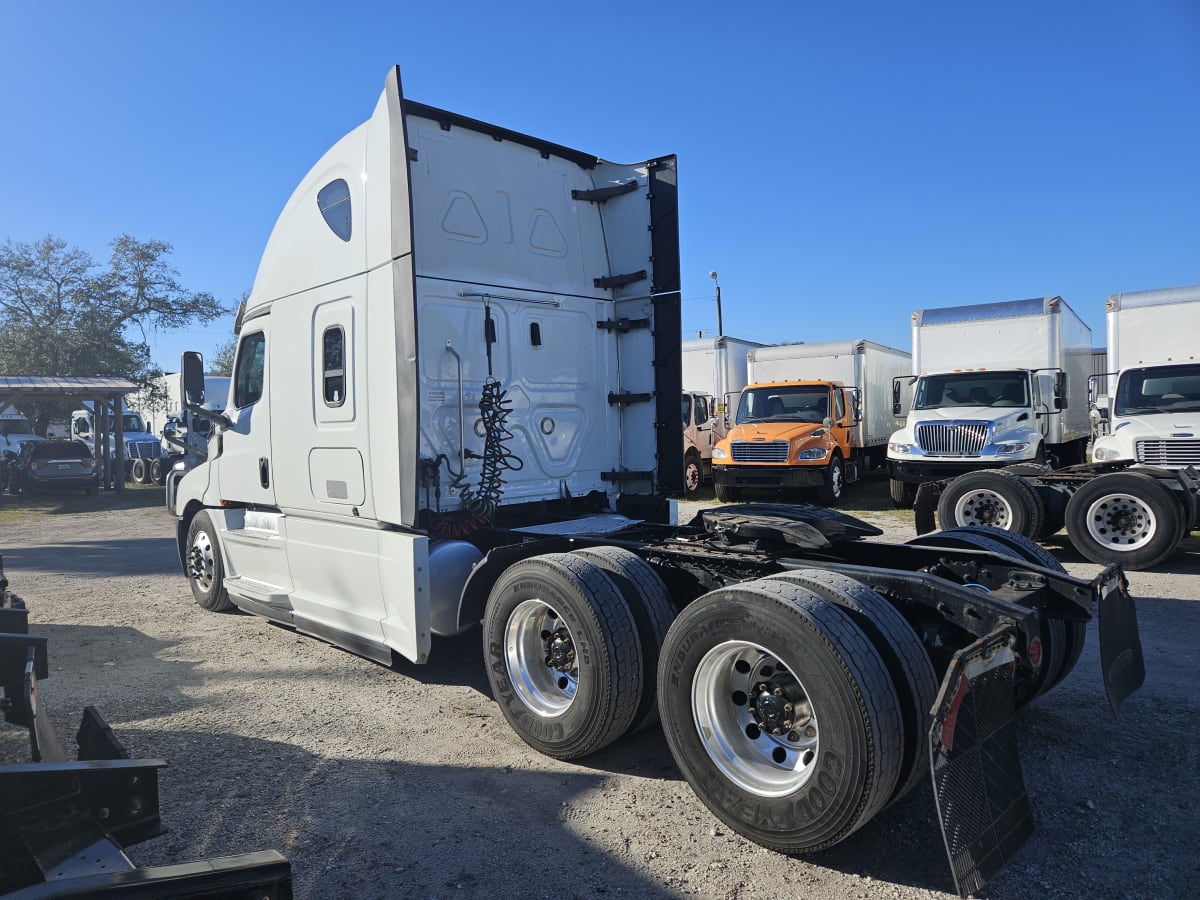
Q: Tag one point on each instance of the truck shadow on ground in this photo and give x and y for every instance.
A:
(1184, 561)
(110, 557)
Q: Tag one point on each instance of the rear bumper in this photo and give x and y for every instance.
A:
(766, 478)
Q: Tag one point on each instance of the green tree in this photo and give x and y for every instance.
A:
(62, 313)
(221, 361)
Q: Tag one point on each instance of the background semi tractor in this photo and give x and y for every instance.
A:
(480, 430)
(813, 417)
(713, 372)
(141, 448)
(995, 384)
(1137, 499)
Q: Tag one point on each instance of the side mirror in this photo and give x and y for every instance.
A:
(192, 367)
(1060, 390)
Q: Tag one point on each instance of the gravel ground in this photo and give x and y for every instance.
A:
(407, 782)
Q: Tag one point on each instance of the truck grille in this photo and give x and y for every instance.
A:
(952, 439)
(760, 451)
(1168, 453)
(144, 449)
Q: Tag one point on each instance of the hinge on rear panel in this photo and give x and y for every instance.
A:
(413, 155)
(623, 325)
(616, 281)
(600, 195)
(626, 398)
(626, 475)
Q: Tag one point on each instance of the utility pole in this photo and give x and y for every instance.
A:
(720, 329)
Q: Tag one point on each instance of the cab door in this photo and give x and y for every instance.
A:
(246, 473)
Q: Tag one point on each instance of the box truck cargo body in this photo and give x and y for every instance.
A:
(995, 384)
(1153, 414)
(713, 372)
(454, 406)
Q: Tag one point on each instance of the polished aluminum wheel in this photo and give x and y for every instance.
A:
(540, 656)
(754, 719)
(200, 560)
(983, 507)
(1122, 521)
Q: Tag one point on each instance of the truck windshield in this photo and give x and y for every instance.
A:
(15, 426)
(997, 389)
(132, 422)
(780, 403)
(1158, 389)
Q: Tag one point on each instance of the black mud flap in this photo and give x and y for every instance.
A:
(976, 769)
(925, 505)
(1121, 662)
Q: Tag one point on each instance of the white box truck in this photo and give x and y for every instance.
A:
(995, 384)
(713, 372)
(1153, 415)
(454, 405)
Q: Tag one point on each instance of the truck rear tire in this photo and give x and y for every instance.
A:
(994, 498)
(138, 471)
(158, 472)
(830, 491)
(205, 568)
(904, 494)
(902, 653)
(1074, 633)
(653, 611)
(562, 654)
(780, 714)
(1124, 517)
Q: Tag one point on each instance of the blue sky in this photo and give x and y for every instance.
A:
(840, 164)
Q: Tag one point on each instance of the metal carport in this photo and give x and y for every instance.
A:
(106, 395)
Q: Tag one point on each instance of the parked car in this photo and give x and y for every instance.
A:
(55, 465)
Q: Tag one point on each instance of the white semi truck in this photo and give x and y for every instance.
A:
(479, 429)
(141, 448)
(996, 384)
(713, 372)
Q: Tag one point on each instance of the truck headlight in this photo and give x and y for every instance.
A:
(1105, 454)
(719, 453)
(813, 453)
(900, 448)
(1012, 447)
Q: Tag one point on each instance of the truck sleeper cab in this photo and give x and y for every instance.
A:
(787, 436)
(454, 405)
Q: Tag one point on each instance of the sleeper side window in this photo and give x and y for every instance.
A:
(333, 366)
(334, 202)
(251, 367)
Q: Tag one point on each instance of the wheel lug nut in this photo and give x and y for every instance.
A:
(753, 711)
(778, 692)
(787, 707)
(776, 731)
(787, 723)
(810, 731)
(793, 736)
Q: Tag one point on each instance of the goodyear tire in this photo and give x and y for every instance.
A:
(1124, 517)
(902, 653)
(834, 485)
(780, 714)
(653, 611)
(205, 568)
(996, 498)
(562, 654)
(903, 493)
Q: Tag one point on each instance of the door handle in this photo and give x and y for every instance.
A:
(264, 472)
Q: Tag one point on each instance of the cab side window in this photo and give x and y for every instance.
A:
(251, 367)
(702, 413)
(839, 405)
